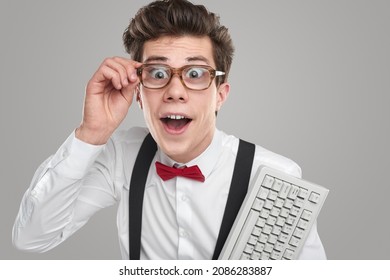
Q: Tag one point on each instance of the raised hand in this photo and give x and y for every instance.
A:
(109, 95)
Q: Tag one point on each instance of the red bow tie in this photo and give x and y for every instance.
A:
(167, 172)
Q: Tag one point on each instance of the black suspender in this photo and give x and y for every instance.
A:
(237, 192)
(136, 194)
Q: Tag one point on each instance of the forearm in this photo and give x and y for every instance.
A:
(43, 223)
(47, 213)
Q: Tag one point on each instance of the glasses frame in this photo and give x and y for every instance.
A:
(179, 71)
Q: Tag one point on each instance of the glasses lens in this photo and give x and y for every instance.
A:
(196, 77)
(155, 76)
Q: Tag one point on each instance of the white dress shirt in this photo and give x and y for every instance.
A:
(181, 217)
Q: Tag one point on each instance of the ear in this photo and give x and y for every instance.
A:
(138, 96)
(222, 95)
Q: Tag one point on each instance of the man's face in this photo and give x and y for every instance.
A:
(181, 120)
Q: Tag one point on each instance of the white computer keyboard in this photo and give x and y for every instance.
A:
(275, 217)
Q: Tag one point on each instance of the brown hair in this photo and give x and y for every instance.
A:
(179, 18)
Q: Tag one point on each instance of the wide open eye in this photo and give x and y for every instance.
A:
(158, 73)
(196, 73)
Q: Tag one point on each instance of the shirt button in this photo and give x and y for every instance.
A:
(184, 198)
(64, 153)
(183, 233)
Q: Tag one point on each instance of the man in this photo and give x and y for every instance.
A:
(180, 61)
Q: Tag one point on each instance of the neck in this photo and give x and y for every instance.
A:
(194, 152)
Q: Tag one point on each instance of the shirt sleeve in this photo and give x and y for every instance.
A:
(66, 190)
(313, 249)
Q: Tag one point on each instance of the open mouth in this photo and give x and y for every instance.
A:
(175, 123)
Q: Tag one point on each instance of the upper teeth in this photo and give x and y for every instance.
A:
(175, 117)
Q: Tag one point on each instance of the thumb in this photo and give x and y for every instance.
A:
(132, 87)
(128, 93)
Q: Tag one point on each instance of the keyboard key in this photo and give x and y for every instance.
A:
(255, 255)
(284, 212)
(249, 249)
(298, 232)
(268, 182)
(264, 213)
(265, 256)
(306, 215)
(272, 239)
(263, 238)
(288, 203)
(277, 185)
(290, 220)
(267, 229)
(271, 220)
(303, 193)
(258, 204)
(268, 248)
(252, 240)
(272, 195)
(245, 256)
(288, 254)
(268, 204)
(263, 193)
(294, 211)
(283, 237)
(285, 190)
(259, 247)
(302, 224)
(287, 229)
(276, 230)
(275, 255)
(293, 192)
(294, 241)
(279, 246)
(280, 221)
(275, 211)
(314, 197)
(256, 231)
(279, 202)
(299, 202)
(260, 222)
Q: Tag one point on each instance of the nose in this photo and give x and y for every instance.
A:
(175, 90)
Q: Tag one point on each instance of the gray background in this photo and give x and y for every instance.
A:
(310, 80)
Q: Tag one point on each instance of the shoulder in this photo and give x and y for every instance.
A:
(122, 149)
(264, 156)
(276, 161)
(131, 135)
(127, 142)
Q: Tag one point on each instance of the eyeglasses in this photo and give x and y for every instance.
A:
(194, 77)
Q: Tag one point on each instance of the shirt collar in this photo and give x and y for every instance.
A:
(206, 161)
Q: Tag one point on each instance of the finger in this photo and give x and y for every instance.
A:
(119, 72)
(131, 68)
(120, 68)
(109, 74)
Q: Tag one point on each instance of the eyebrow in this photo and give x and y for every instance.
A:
(198, 58)
(155, 58)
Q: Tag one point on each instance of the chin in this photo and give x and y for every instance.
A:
(176, 150)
